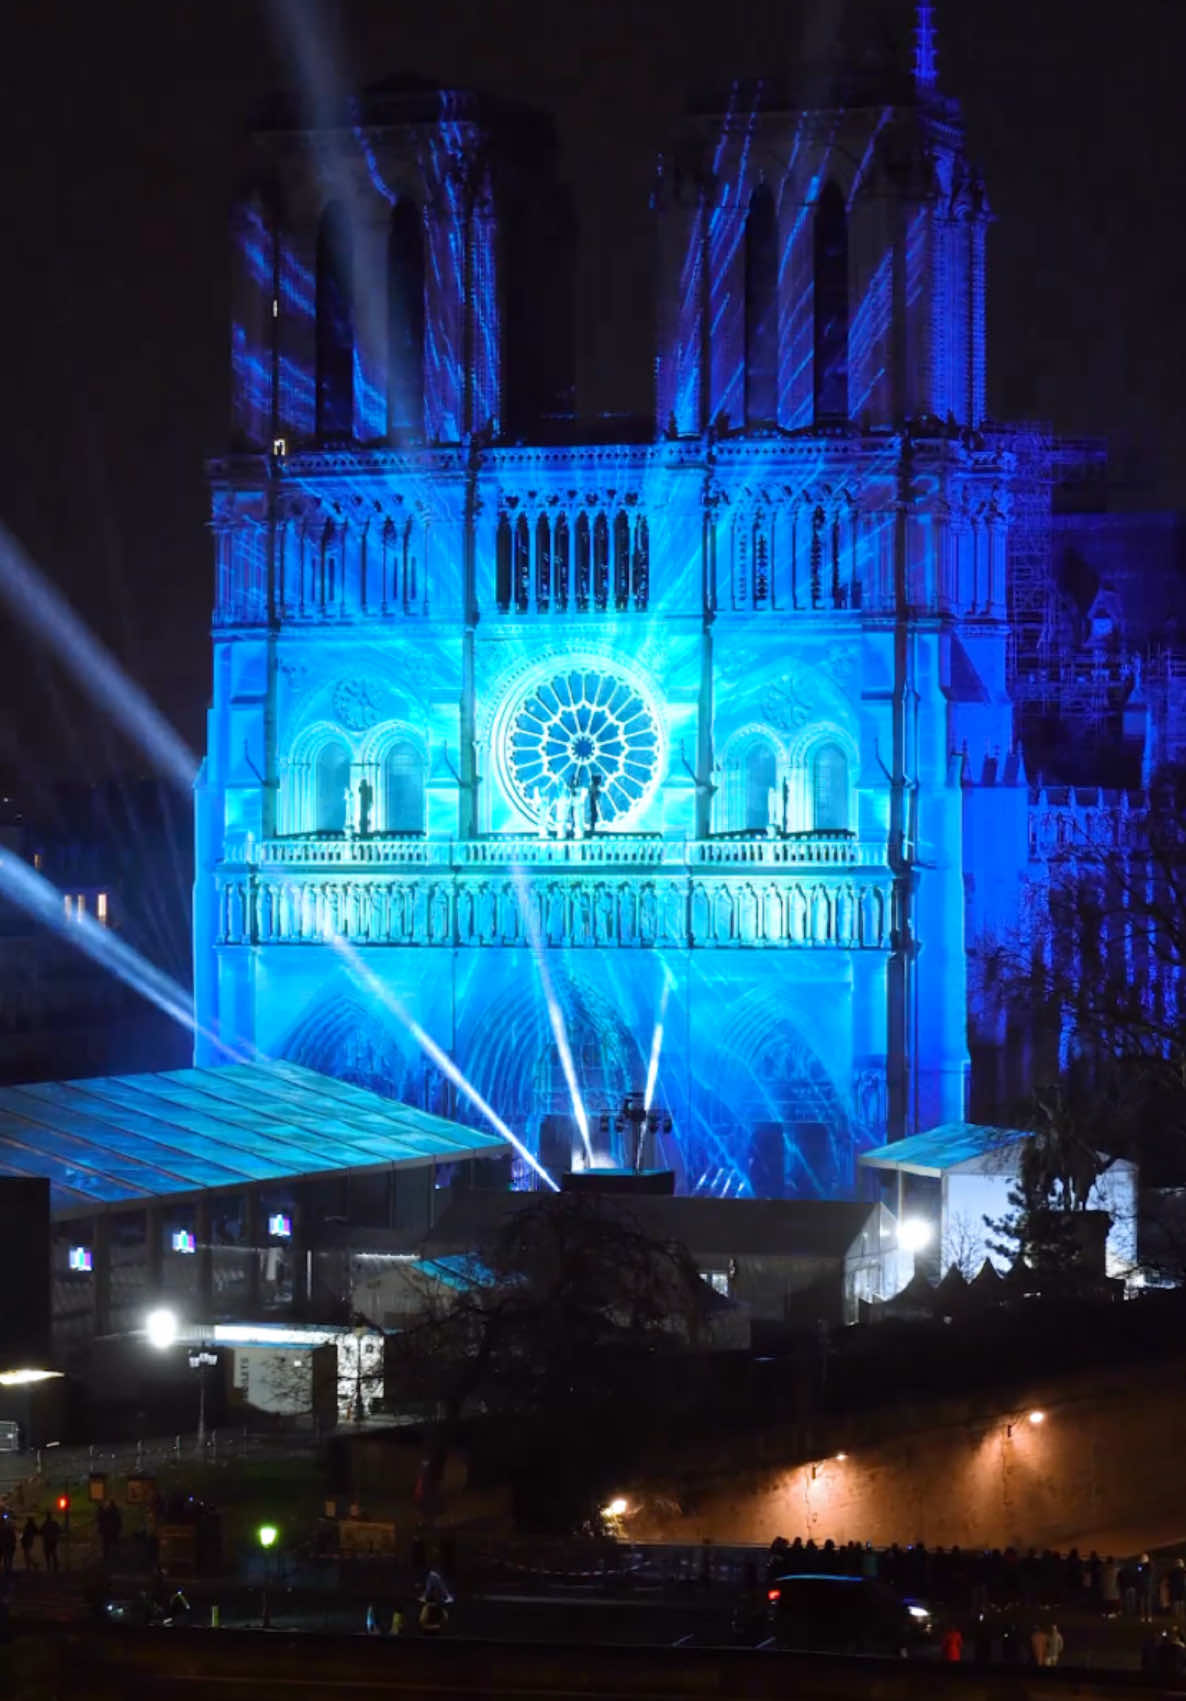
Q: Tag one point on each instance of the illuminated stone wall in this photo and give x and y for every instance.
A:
(674, 726)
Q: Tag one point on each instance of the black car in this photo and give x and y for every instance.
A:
(847, 1615)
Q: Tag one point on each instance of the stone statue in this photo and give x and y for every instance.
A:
(774, 811)
(580, 812)
(366, 797)
(594, 802)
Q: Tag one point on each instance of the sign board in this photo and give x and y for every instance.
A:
(357, 1536)
(96, 1486)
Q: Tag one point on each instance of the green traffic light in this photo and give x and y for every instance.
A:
(267, 1534)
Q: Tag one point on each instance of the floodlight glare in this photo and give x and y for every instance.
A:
(267, 1534)
(915, 1234)
(616, 1508)
(161, 1329)
(1037, 1417)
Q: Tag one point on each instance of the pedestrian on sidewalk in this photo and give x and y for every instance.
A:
(29, 1542)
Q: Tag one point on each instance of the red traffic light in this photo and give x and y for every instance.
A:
(63, 1503)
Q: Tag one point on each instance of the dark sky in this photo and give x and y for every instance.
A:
(115, 178)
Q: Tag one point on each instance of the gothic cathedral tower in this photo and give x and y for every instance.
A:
(619, 765)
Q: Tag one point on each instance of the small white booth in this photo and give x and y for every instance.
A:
(954, 1176)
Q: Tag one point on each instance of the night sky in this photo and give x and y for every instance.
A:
(115, 180)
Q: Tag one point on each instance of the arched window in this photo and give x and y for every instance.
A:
(332, 779)
(335, 325)
(502, 565)
(522, 564)
(831, 305)
(405, 323)
(761, 309)
(621, 560)
(600, 561)
(543, 563)
(582, 566)
(403, 789)
(560, 562)
(829, 789)
(641, 570)
(760, 776)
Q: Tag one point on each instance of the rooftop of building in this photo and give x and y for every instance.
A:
(123, 1141)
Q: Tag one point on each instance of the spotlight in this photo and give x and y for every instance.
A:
(1037, 1417)
(617, 1508)
(840, 1457)
(915, 1234)
(161, 1329)
(267, 1534)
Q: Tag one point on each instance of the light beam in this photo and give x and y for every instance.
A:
(441, 1058)
(555, 1013)
(48, 617)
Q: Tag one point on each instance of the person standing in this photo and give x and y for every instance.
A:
(1146, 1579)
(1110, 1587)
(29, 1542)
(50, 1531)
(952, 1645)
(1039, 1645)
(1054, 1645)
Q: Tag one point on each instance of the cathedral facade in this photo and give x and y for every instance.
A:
(677, 761)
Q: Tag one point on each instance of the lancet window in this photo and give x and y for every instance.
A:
(595, 560)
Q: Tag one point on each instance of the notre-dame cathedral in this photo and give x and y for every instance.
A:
(696, 758)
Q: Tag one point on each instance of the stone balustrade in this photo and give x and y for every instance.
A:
(846, 909)
(606, 849)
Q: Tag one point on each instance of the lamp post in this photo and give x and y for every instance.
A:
(200, 1359)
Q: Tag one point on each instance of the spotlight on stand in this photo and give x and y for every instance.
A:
(915, 1234)
(161, 1329)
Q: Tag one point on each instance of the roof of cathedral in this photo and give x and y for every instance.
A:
(950, 1146)
(129, 1139)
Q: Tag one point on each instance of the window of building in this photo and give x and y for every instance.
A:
(831, 305)
(761, 309)
(829, 789)
(502, 565)
(760, 775)
(335, 326)
(333, 780)
(405, 323)
(403, 789)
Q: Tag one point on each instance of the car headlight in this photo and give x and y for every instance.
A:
(918, 1612)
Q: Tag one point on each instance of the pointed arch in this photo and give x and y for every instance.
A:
(831, 304)
(335, 325)
(403, 788)
(331, 782)
(621, 559)
(522, 564)
(582, 562)
(600, 562)
(830, 806)
(502, 565)
(761, 309)
(560, 561)
(405, 323)
(543, 563)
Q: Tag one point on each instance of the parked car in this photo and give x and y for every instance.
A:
(847, 1615)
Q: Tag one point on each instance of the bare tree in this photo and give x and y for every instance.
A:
(548, 1324)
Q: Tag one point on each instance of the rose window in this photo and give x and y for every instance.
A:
(586, 728)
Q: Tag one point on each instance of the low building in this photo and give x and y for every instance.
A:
(953, 1180)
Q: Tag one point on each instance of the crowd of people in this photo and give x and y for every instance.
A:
(48, 1533)
(976, 1579)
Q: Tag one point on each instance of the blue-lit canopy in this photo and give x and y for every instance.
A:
(130, 1139)
(951, 1145)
